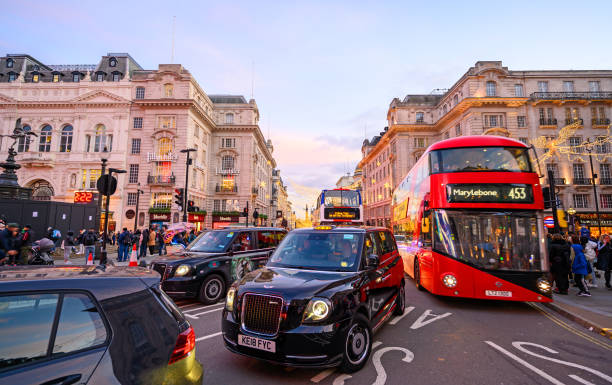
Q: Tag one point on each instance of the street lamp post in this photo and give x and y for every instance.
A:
(589, 148)
(187, 163)
(138, 192)
(104, 160)
(571, 213)
(105, 236)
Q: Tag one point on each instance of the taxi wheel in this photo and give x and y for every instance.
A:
(357, 345)
(212, 289)
(417, 275)
(400, 304)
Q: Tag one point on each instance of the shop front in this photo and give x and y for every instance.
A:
(199, 220)
(590, 221)
(222, 221)
(158, 218)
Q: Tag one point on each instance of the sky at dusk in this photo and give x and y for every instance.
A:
(324, 71)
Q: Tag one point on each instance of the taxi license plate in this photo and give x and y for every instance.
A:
(497, 293)
(257, 343)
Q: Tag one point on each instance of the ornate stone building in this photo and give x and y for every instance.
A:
(490, 99)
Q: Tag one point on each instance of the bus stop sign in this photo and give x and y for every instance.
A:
(549, 222)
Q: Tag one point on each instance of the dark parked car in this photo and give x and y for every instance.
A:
(78, 325)
(318, 300)
(214, 260)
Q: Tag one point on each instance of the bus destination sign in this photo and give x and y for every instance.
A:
(489, 193)
(342, 213)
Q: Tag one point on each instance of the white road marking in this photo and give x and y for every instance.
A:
(375, 344)
(519, 346)
(381, 374)
(202, 307)
(420, 322)
(208, 336)
(341, 378)
(580, 379)
(399, 317)
(186, 305)
(196, 315)
(525, 363)
(323, 375)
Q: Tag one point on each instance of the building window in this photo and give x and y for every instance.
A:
(603, 147)
(45, 139)
(56, 78)
(229, 118)
(491, 88)
(94, 175)
(161, 200)
(115, 76)
(137, 122)
(133, 176)
(164, 146)
(9, 63)
(66, 139)
(227, 162)
(606, 201)
(543, 86)
(554, 168)
(103, 142)
(518, 90)
(140, 92)
(216, 205)
(604, 171)
(524, 140)
(455, 100)
(112, 62)
(568, 86)
(581, 201)
(520, 121)
(575, 142)
(23, 145)
(166, 122)
(458, 129)
(419, 142)
(578, 169)
(228, 142)
(594, 86)
(12, 77)
(76, 78)
(136, 146)
(35, 78)
(168, 90)
(493, 120)
(420, 117)
(99, 77)
(131, 198)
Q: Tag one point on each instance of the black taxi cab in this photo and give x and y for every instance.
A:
(214, 260)
(318, 300)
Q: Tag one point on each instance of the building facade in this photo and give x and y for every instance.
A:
(139, 120)
(490, 99)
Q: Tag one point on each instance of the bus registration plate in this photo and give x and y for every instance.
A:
(498, 293)
(257, 343)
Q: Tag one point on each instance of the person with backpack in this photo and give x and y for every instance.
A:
(89, 243)
(27, 238)
(69, 243)
(580, 267)
(144, 242)
(560, 264)
(124, 240)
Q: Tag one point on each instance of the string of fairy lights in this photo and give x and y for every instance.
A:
(554, 148)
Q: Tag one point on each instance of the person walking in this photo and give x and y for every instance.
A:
(114, 239)
(590, 247)
(89, 243)
(135, 241)
(124, 241)
(26, 237)
(144, 240)
(604, 258)
(162, 241)
(579, 267)
(560, 263)
(69, 243)
(9, 244)
(152, 240)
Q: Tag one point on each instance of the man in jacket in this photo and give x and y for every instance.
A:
(560, 263)
(9, 244)
(124, 241)
(579, 267)
(69, 243)
(143, 244)
(89, 242)
(604, 258)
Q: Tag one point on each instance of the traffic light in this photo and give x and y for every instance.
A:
(180, 197)
(245, 212)
(547, 197)
(190, 206)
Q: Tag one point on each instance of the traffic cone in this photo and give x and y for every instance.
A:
(90, 259)
(134, 257)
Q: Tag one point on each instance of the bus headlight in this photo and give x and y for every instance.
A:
(229, 299)
(543, 285)
(317, 310)
(182, 270)
(449, 280)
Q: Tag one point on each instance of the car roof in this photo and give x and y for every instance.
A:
(344, 229)
(237, 229)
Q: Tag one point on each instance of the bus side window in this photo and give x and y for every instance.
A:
(425, 233)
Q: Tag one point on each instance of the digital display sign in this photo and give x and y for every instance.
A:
(83, 197)
(342, 213)
(489, 193)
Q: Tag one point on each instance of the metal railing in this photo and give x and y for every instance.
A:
(559, 181)
(227, 171)
(570, 121)
(606, 181)
(548, 122)
(153, 157)
(600, 122)
(570, 95)
(583, 181)
(161, 179)
(226, 189)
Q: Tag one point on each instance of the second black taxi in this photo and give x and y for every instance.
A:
(318, 300)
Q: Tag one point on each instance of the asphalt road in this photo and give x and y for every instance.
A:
(437, 341)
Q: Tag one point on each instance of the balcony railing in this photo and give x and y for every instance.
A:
(162, 180)
(600, 122)
(606, 181)
(153, 157)
(570, 121)
(548, 122)
(33, 159)
(570, 95)
(226, 189)
(559, 181)
(582, 181)
(227, 171)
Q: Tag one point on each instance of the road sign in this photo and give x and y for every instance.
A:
(102, 184)
(549, 222)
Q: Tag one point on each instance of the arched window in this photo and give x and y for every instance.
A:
(23, 145)
(168, 90)
(455, 100)
(41, 190)
(9, 63)
(112, 62)
(66, 139)
(229, 118)
(227, 162)
(164, 146)
(103, 142)
(491, 88)
(45, 139)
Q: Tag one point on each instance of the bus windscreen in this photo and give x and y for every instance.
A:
(341, 198)
(475, 159)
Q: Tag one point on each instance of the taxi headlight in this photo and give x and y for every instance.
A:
(449, 280)
(182, 270)
(317, 310)
(229, 299)
(543, 285)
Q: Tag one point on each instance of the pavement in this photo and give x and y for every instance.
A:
(80, 259)
(438, 340)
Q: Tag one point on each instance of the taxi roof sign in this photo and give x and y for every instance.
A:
(326, 227)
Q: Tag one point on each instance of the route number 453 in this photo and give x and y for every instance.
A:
(517, 193)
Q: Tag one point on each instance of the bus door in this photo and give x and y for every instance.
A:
(424, 254)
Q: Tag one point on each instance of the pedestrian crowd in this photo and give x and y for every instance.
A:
(579, 258)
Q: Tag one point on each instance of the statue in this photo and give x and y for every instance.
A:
(9, 187)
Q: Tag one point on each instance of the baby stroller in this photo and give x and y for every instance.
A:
(40, 252)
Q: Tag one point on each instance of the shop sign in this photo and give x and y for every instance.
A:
(218, 218)
(159, 217)
(196, 218)
(590, 219)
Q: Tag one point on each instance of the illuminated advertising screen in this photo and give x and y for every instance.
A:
(489, 193)
(83, 197)
(341, 213)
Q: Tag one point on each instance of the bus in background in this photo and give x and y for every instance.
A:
(339, 206)
(471, 212)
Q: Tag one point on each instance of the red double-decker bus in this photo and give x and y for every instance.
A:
(471, 214)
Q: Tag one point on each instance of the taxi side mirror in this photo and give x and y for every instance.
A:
(373, 260)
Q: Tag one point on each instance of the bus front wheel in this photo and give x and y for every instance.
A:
(417, 275)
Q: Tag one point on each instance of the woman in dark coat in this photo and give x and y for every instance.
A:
(560, 263)
(604, 258)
